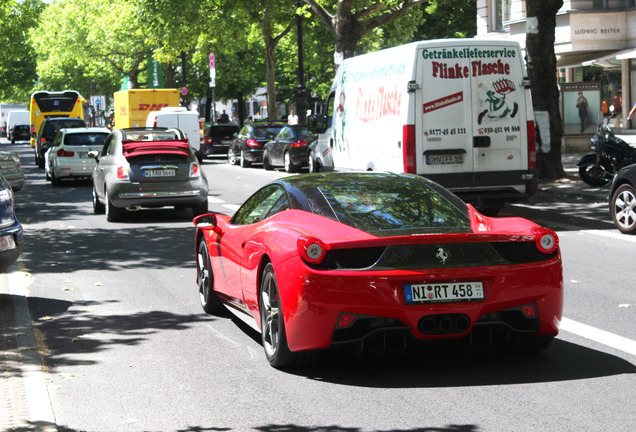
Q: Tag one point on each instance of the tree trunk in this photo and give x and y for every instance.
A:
(542, 71)
(270, 74)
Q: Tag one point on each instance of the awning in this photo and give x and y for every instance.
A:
(606, 59)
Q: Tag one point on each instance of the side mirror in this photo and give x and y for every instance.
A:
(207, 221)
(94, 154)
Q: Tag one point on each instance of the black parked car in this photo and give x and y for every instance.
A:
(247, 147)
(11, 233)
(20, 133)
(623, 200)
(48, 130)
(288, 149)
(218, 138)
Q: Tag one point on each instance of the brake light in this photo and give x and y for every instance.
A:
(195, 170)
(312, 250)
(200, 130)
(42, 140)
(408, 148)
(155, 123)
(545, 239)
(122, 173)
(252, 143)
(532, 146)
(208, 140)
(64, 153)
(301, 143)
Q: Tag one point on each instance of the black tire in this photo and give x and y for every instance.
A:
(54, 180)
(623, 208)
(272, 323)
(98, 207)
(113, 214)
(592, 175)
(200, 209)
(209, 300)
(289, 165)
(312, 163)
(39, 161)
(268, 166)
(244, 162)
(231, 157)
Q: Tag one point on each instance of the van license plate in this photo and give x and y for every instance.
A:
(444, 159)
(443, 292)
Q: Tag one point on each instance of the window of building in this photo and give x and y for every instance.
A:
(501, 14)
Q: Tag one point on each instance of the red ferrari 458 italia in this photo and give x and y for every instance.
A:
(321, 260)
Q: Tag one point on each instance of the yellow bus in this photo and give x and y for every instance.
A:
(45, 104)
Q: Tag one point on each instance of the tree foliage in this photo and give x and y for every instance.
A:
(18, 60)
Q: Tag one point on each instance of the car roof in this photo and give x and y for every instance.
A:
(86, 130)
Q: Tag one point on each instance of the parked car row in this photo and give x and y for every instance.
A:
(272, 144)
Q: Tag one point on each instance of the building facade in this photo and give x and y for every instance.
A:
(595, 46)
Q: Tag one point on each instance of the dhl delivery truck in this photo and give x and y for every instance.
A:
(133, 106)
(457, 111)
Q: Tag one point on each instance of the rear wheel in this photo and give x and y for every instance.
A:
(312, 163)
(289, 165)
(272, 325)
(98, 207)
(200, 209)
(209, 300)
(113, 214)
(244, 162)
(231, 157)
(268, 166)
(624, 209)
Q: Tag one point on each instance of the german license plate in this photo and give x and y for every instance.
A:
(443, 292)
(160, 173)
(444, 159)
(7, 242)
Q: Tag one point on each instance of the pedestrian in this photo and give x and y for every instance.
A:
(224, 117)
(617, 103)
(292, 118)
(581, 104)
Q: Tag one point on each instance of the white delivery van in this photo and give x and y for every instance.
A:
(17, 117)
(457, 111)
(179, 117)
(5, 108)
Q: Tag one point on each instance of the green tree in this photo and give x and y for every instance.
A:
(444, 19)
(353, 19)
(18, 59)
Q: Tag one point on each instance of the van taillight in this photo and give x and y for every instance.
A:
(408, 148)
(532, 146)
(154, 125)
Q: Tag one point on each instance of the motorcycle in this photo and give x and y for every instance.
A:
(610, 154)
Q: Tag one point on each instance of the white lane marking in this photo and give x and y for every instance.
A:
(214, 200)
(601, 336)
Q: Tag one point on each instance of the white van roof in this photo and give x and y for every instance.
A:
(174, 109)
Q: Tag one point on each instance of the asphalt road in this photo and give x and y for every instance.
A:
(126, 347)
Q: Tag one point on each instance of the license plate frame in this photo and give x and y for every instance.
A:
(155, 173)
(445, 159)
(444, 292)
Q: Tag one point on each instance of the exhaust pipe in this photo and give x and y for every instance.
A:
(443, 324)
(133, 208)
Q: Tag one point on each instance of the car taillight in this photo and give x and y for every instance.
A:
(122, 173)
(312, 250)
(195, 170)
(64, 153)
(253, 143)
(408, 148)
(545, 239)
(532, 146)
(301, 143)
(42, 140)
(208, 140)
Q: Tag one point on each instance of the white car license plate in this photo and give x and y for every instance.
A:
(443, 292)
(7, 243)
(444, 159)
(160, 173)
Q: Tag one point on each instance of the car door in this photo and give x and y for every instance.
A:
(277, 146)
(105, 164)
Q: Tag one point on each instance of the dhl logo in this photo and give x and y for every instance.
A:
(148, 107)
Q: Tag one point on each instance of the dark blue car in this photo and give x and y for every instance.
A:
(11, 234)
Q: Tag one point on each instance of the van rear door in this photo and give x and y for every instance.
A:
(473, 127)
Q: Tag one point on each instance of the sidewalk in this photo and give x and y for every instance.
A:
(572, 184)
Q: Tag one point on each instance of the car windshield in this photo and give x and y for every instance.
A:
(145, 135)
(383, 203)
(85, 139)
(266, 132)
